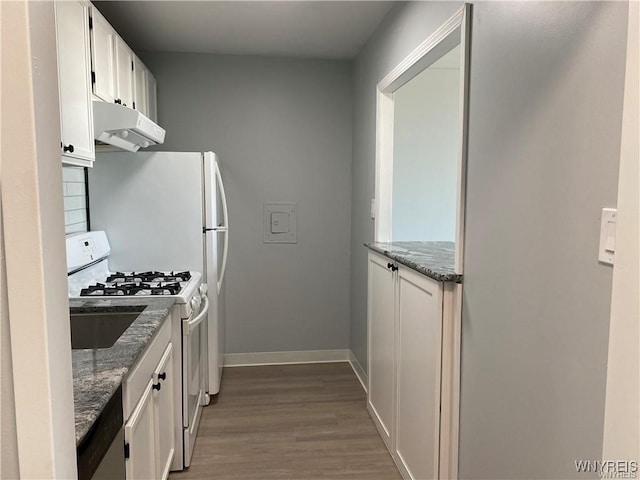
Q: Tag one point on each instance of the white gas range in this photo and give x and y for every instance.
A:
(89, 276)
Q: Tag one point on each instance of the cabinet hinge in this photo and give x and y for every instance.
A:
(132, 65)
(90, 22)
(93, 77)
(134, 105)
(127, 453)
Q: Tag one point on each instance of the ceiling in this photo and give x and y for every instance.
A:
(312, 29)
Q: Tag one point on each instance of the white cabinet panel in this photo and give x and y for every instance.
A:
(74, 82)
(149, 407)
(414, 367)
(139, 434)
(140, 84)
(381, 345)
(103, 39)
(164, 414)
(152, 97)
(142, 371)
(419, 338)
(124, 73)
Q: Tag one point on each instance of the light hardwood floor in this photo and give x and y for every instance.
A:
(290, 422)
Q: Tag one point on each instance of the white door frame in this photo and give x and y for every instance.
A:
(621, 419)
(34, 243)
(454, 31)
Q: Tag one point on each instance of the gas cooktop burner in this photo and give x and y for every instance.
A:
(132, 289)
(149, 277)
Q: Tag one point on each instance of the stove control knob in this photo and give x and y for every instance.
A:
(203, 289)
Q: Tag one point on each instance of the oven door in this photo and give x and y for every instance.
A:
(193, 374)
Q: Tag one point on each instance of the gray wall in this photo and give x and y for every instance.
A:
(544, 139)
(282, 129)
(545, 115)
(425, 153)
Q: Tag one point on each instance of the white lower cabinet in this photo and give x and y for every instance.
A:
(139, 437)
(410, 319)
(148, 403)
(419, 335)
(164, 414)
(381, 346)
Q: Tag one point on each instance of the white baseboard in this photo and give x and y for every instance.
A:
(359, 371)
(284, 358)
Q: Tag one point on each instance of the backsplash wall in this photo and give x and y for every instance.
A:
(75, 199)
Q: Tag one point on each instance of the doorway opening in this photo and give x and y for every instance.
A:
(422, 141)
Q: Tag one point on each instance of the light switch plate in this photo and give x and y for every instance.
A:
(606, 252)
(280, 222)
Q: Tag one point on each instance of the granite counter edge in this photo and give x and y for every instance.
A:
(423, 269)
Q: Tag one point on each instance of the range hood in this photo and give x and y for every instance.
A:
(124, 127)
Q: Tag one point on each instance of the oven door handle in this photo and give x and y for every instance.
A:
(188, 325)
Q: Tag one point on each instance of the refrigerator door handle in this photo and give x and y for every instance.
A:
(224, 258)
(225, 226)
(225, 213)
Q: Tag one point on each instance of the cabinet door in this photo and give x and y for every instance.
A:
(152, 97)
(103, 38)
(74, 82)
(140, 434)
(124, 73)
(419, 346)
(164, 413)
(381, 345)
(140, 86)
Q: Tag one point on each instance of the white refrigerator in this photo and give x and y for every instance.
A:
(167, 211)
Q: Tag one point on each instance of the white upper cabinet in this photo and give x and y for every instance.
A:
(94, 63)
(124, 73)
(74, 82)
(103, 38)
(118, 75)
(152, 97)
(140, 86)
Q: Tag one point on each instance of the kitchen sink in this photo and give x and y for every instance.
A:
(100, 329)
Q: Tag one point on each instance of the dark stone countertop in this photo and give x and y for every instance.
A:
(97, 373)
(433, 259)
